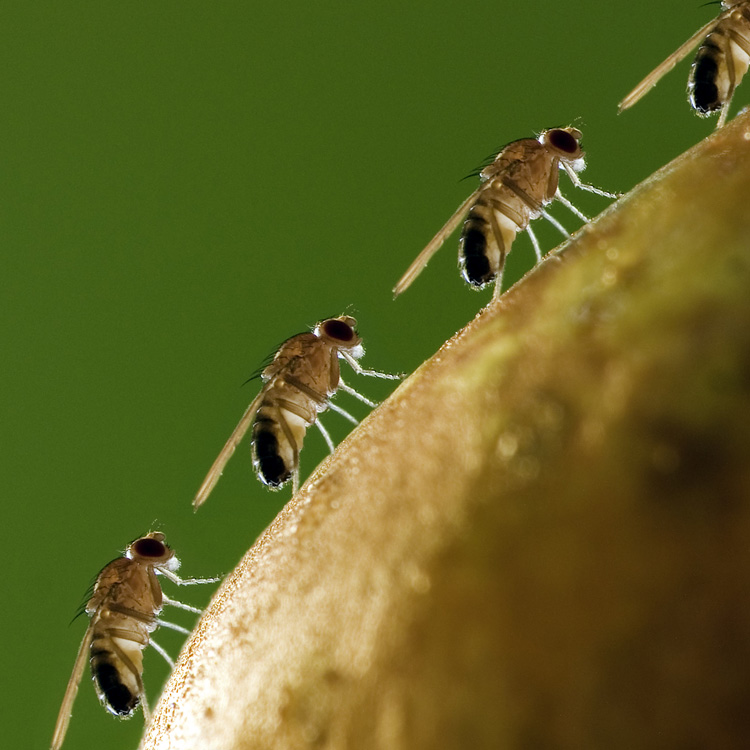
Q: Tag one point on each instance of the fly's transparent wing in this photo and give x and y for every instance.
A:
(661, 70)
(434, 245)
(63, 718)
(226, 452)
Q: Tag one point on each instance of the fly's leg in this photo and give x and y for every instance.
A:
(160, 650)
(343, 412)
(172, 626)
(144, 705)
(498, 290)
(295, 480)
(183, 582)
(290, 438)
(744, 45)
(348, 389)
(293, 408)
(362, 371)
(724, 112)
(576, 180)
(534, 242)
(324, 433)
(731, 75)
(582, 216)
(181, 605)
(500, 240)
(556, 224)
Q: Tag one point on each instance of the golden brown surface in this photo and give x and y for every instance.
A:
(543, 538)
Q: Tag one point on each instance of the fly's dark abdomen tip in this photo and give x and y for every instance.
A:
(475, 266)
(271, 467)
(704, 93)
(119, 700)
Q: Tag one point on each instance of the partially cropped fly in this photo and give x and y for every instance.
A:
(297, 387)
(513, 191)
(720, 63)
(123, 612)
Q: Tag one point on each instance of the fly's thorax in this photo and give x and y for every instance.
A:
(127, 585)
(109, 578)
(293, 349)
(533, 181)
(116, 668)
(305, 367)
(315, 375)
(510, 158)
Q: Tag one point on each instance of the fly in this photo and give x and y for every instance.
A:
(123, 612)
(513, 191)
(297, 386)
(720, 63)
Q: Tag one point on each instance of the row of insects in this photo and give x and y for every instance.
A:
(304, 375)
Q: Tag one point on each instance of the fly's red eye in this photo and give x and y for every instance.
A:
(149, 548)
(563, 141)
(338, 330)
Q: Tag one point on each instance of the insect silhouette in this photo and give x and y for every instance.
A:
(720, 63)
(513, 191)
(297, 386)
(123, 612)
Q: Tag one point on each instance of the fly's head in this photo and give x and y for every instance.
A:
(565, 144)
(341, 333)
(151, 549)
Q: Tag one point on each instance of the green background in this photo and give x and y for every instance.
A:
(184, 185)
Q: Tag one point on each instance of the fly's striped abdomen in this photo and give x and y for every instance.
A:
(117, 660)
(273, 468)
(708, 84)
(474, 263)
(487, 236)
(720, 63)
(116, 696)
(279, 432)
(479, 254)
